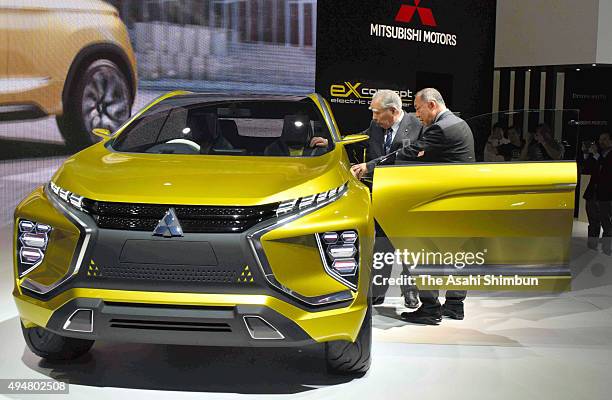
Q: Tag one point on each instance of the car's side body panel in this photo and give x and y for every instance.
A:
(3, 46)
(520, 215)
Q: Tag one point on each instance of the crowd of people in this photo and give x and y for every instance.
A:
(508, 145)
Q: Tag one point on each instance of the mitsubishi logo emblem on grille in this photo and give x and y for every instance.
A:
(169, 225)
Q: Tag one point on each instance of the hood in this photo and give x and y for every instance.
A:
(100, 174)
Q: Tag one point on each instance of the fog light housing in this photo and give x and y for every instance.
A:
(32, 241)
(340, 255)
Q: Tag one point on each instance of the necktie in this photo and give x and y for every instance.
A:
(388, 140)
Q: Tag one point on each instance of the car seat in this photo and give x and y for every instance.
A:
(204, 130)
(294, 139)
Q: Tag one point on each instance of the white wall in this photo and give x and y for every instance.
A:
(552, 32)
(604, 33)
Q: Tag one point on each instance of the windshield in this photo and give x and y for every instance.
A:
(240, 128)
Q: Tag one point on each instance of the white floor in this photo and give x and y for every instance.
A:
(508, 347)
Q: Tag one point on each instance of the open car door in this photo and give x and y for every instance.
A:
(501, 224)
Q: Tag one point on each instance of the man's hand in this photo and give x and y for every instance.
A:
(318, 142)
(359, 170)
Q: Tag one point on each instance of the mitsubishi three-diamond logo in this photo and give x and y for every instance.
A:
(406, 13)
(414, 29)
(169, 225)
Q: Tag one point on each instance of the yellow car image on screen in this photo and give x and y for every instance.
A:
(212, 220)
(71, 59)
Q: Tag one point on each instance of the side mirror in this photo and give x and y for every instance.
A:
(350, 139)
(102, 133)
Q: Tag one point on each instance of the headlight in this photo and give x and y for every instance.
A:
(66, 196)
(32, 240)
(312, 201)
(340, 255)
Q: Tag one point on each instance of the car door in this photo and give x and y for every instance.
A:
(488, 226)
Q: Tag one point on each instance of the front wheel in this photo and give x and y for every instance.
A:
(52, 346)
(345, 357)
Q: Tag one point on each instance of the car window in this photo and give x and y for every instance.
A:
(240, 128)
(526, 135)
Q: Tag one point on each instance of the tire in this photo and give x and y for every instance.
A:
(52, 346)
(99, 97)
(349, 358)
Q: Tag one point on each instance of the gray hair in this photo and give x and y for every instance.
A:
(388, 98)
(430, 94)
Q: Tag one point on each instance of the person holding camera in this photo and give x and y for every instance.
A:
(541, 146)
(598, 194)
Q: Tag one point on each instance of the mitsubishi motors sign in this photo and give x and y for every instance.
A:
(404, 45)
(418, 18)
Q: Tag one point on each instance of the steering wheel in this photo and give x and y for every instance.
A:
(176, 146)
(188, 142)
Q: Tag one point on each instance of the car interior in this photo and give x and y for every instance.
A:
(213, 131)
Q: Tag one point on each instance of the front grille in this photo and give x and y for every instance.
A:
(170, 325)
(193, 219)
(165, 273)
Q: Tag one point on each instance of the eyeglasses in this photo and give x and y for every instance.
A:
(377, 111)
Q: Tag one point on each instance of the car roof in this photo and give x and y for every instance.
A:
(203, 98)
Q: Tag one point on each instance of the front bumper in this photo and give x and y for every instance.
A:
(182, 318)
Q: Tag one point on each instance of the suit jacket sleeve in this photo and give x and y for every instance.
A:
(359, 152)
(369, 155)
(388, 159)
(432, 142)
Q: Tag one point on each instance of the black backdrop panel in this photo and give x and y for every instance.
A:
(590, 91)
(364, 45)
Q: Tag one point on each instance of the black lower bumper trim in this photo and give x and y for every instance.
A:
(172, 324)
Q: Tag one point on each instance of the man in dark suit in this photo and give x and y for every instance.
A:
(443, 138)
(598, 195)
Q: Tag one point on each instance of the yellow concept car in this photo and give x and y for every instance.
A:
(210, 220)
(68, 58)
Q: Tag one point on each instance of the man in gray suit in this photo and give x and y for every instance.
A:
(391, 129)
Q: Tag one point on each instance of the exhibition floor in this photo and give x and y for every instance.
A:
(510, 346)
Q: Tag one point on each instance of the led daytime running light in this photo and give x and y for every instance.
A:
(302, 203)
(67, 196)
